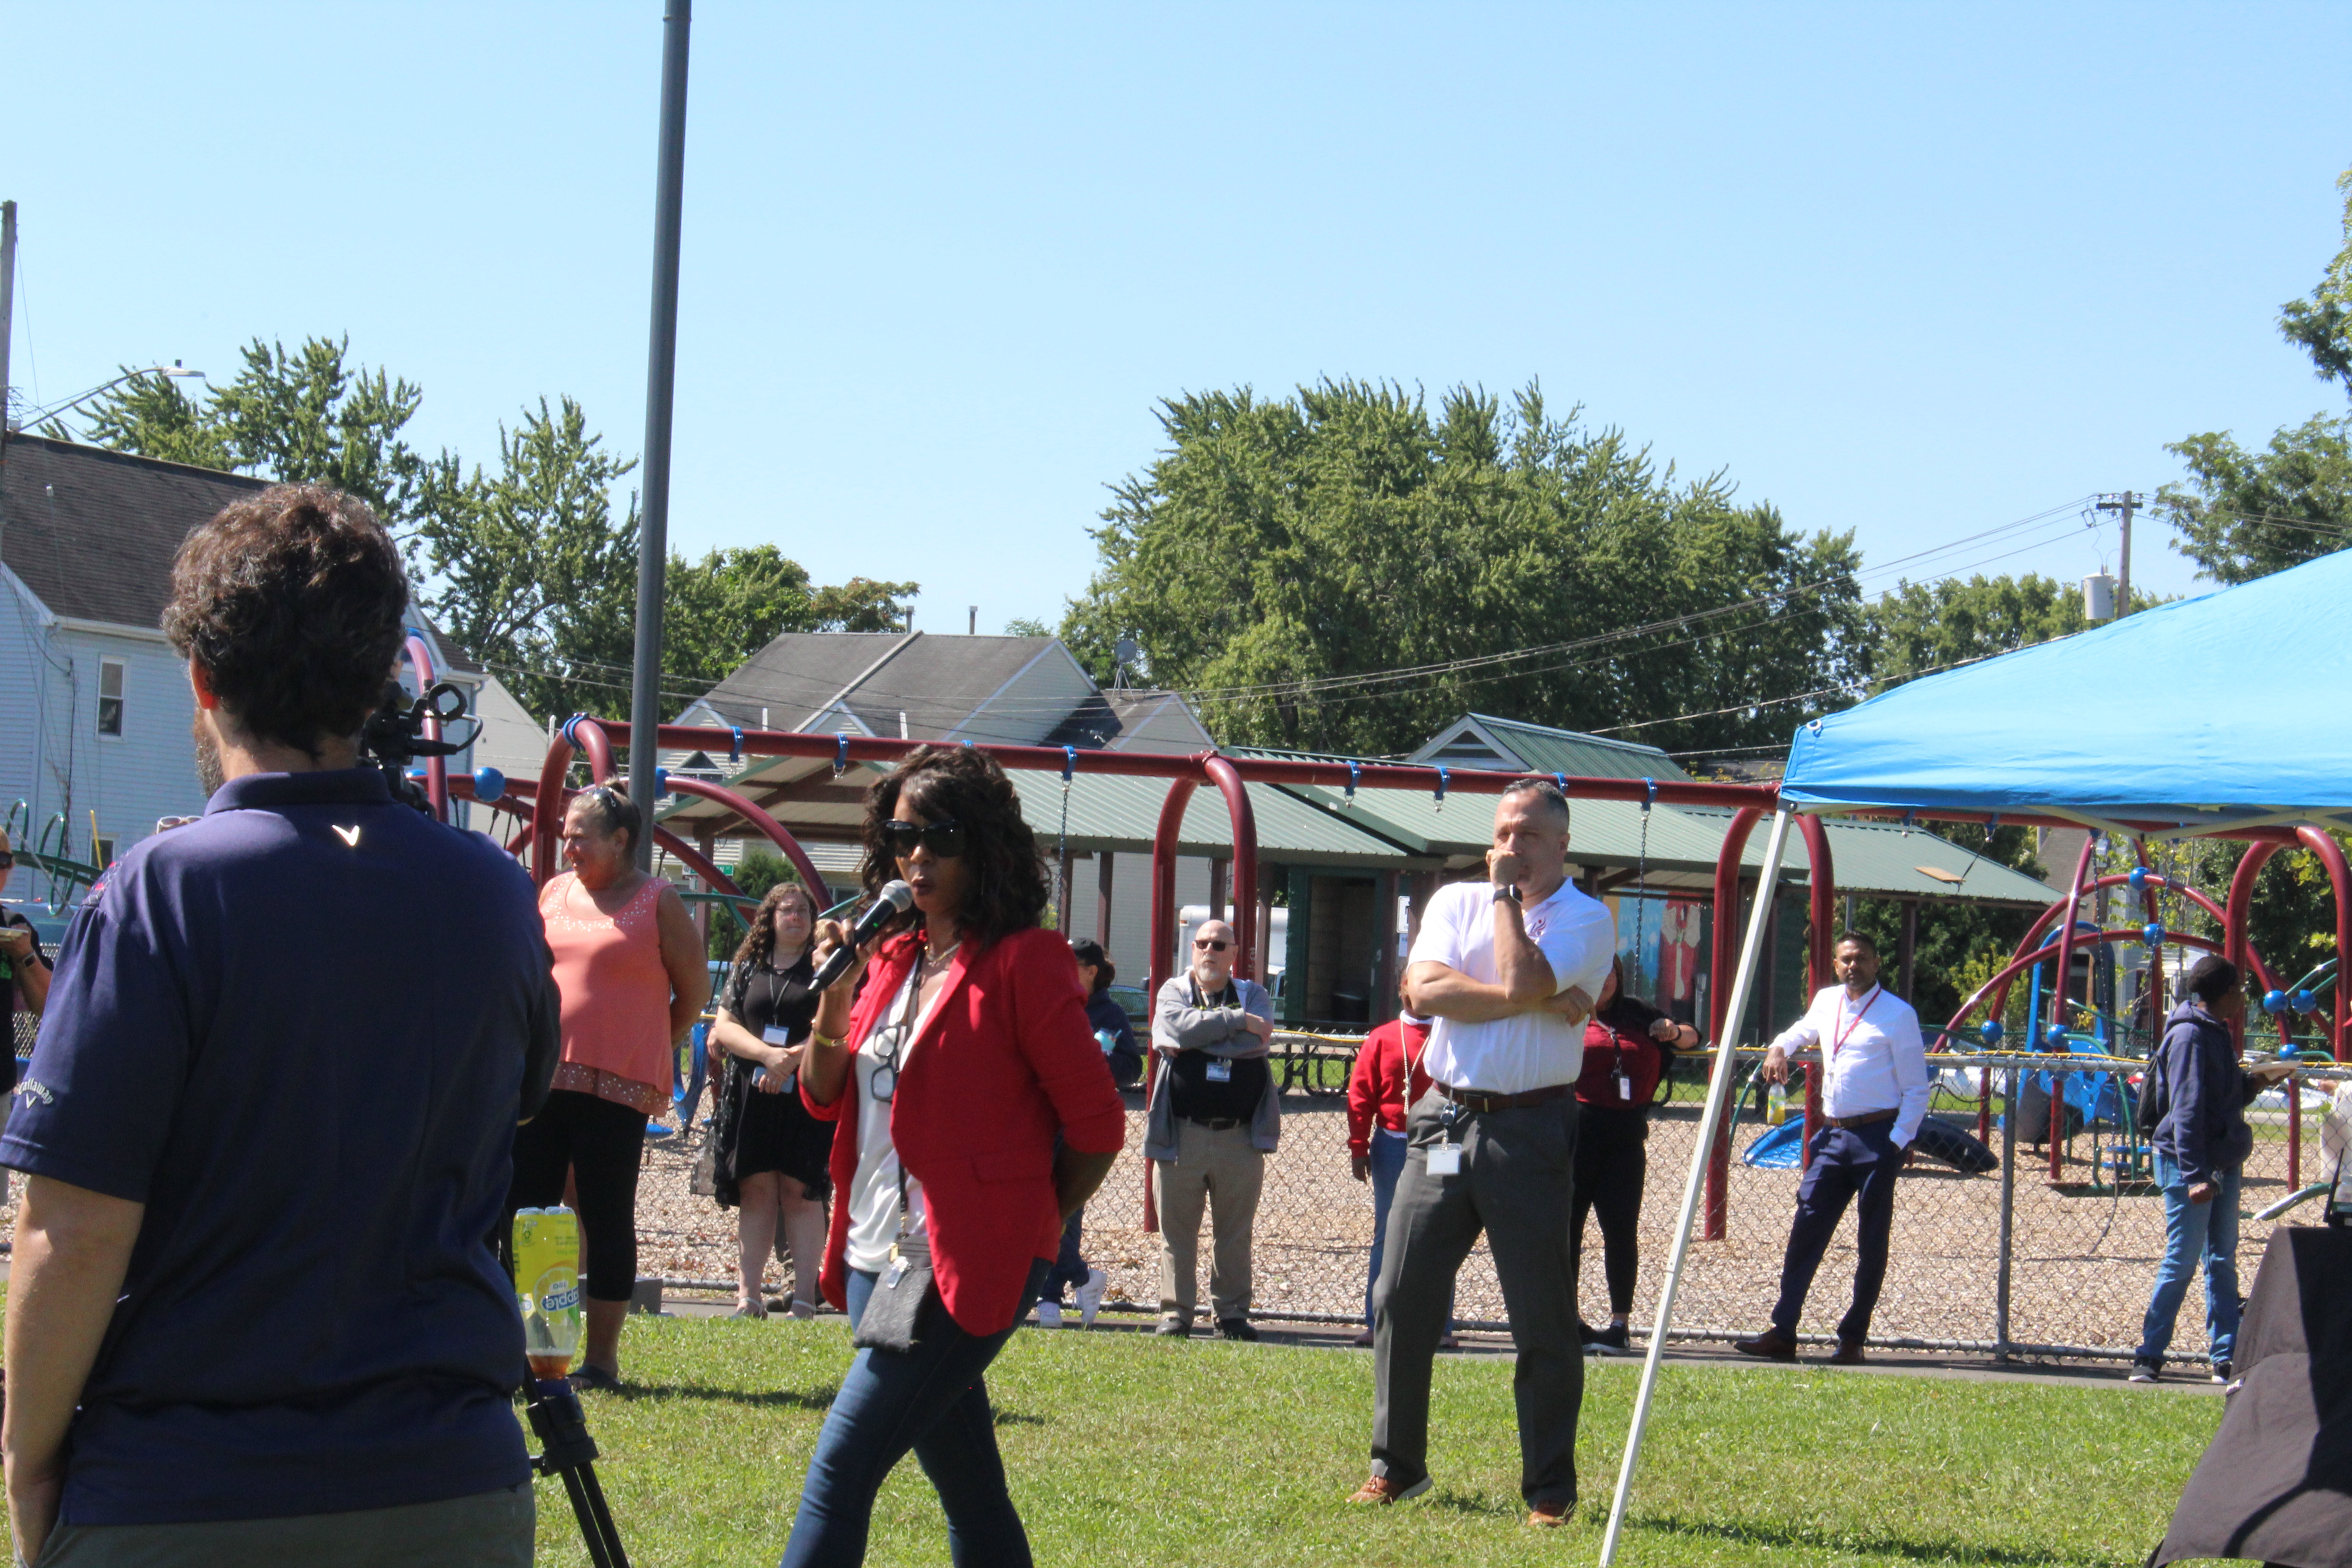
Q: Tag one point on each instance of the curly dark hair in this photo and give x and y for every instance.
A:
(759, 941)
(1009, 888)
(294, 605)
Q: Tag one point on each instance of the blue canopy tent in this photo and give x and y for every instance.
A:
(2216, 715)
(2195, 717)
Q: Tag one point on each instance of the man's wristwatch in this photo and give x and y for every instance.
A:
(1506, 891)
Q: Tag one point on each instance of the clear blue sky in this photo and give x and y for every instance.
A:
(1915, 272)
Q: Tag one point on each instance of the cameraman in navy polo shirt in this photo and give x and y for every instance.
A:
(254, 1315)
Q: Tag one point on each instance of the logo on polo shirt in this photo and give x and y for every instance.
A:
(33, 1089)
(349, 836)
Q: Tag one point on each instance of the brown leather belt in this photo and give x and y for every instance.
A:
(1471, 1099)
(1865, 1120)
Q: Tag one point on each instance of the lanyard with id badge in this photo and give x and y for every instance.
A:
(892, 1320)
(1444, 1157)
(1219, 1070)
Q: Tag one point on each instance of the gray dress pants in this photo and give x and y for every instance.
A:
(1515, 1182)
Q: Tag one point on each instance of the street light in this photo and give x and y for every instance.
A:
(55, 409)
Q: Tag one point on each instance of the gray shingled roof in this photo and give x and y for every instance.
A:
(92, 533)
(937, 681)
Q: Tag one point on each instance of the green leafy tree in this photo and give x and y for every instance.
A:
(532, 569)
(151, 416)
(529, 564)
(860, 605)
(1918, 627)
(2247, 512)
(303, 418)
(733, 602)
(1280, 556)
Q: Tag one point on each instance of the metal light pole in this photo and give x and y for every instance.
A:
(7, 304)
(661, 384)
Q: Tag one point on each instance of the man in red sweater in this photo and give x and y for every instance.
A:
(1382, 1087)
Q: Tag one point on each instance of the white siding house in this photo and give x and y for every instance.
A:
(94, 705)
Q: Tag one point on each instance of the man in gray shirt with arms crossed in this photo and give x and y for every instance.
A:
(1509, 969)
(1213, 1118)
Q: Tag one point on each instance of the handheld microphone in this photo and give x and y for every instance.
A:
(894, 899)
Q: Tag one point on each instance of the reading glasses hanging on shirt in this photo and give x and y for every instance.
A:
(885, 1081)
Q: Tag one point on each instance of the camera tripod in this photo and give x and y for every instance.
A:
(568, 1450)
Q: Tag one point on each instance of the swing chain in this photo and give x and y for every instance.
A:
(1641, 882)
(1062, 839)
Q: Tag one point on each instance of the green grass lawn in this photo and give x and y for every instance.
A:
(1125, 1449)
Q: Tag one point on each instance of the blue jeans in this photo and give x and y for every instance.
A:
(1388, 1163)
(2206, 1231)
(932, 1400)
(1069, 1270)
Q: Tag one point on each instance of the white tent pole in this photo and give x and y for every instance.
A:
(1718, 1094)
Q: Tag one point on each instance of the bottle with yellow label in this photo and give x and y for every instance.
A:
(1776, 1105)
(547, 1287)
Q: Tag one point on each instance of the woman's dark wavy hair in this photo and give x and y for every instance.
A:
(295, 603)
(1008, 889)
(759, 941)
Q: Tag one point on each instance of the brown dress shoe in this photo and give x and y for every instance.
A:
(1849, 1353)
(1550, 1515)
(1381, 1489)
(1770, 1345)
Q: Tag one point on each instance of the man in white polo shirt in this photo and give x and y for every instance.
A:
(1874, 1098)
(1507, 968)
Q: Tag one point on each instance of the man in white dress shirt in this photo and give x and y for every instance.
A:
(1507, 969)
(1871, 1104)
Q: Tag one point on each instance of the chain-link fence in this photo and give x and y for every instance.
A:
(2081, 1250)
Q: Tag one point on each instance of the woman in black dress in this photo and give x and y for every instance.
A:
(1627, 1045)
(769, 1152)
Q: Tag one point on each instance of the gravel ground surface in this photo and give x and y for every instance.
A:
(2084, 1261)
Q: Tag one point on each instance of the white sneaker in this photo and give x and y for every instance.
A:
(1090, 1297)
(1049, 1314)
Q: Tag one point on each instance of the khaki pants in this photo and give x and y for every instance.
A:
(1218, 1169)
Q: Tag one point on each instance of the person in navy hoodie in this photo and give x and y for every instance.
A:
(2200, 1142)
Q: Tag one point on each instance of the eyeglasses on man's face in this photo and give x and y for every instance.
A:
(943, 838)
(1208, 944)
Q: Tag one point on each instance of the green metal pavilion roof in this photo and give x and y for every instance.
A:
(1107, 811)
(1111, 812)
(1545, 749)
(1869, 858)
(1404, 830)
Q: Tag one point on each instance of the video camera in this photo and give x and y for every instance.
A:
(393, 735)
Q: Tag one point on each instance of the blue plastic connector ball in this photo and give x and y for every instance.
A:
(1992, 1032)
(661, 782)
(2152, 934)
(2274, 1002)
(2304, 1002)
(2056, 1039)
(2138, 878)
(488, 783)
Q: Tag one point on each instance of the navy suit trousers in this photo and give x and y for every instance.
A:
(1847, 1162)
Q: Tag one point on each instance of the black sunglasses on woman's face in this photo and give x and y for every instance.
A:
(943, 838)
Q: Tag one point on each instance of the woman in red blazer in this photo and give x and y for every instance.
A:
(972, 1108)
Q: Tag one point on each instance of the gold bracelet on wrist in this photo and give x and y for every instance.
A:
(828, 1041)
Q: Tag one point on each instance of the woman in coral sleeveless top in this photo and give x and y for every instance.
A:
(630, 970)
